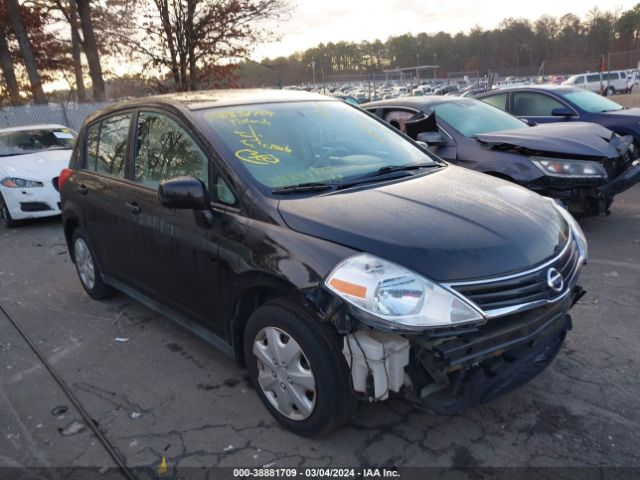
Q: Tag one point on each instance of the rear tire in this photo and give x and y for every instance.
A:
(5, 216)
(307, 388)
(87, 268)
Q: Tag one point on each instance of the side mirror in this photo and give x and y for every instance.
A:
(186, 193)
(432, 139)
(563, 112)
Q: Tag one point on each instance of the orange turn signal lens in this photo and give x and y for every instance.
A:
(349, 288)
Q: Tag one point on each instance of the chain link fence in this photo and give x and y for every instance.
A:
(68, 114)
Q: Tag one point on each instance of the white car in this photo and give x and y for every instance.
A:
(31, 159)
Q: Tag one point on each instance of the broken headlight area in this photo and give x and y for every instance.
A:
(557, 167)
(449, 370)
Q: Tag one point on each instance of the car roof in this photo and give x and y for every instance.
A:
(419, 103)
(544, 88)
(214, 99)
(42, 126)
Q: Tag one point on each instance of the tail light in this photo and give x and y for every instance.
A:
(64, 176)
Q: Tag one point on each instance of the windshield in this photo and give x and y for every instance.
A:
(471, 117)
(591, 102)
(286, 144)
(21, 142)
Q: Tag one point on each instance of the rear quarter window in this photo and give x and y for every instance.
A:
(106, 148)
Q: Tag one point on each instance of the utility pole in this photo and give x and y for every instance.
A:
(417, 70)
(435, 57)
(313, 68)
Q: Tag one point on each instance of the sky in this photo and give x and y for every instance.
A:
(320, 21)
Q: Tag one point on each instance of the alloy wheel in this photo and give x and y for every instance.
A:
(84, 263)
(284, 373)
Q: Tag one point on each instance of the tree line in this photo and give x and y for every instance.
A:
(170, 45)
(566, 44)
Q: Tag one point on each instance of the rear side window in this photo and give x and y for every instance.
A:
(107, 145)
(526, 104)
(165, 150)
(498, 101)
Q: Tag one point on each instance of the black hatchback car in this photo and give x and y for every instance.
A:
(332, 256)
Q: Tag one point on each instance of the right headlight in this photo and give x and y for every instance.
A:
(578, 234)
(557, 167)
(12, 182)
(396, 297)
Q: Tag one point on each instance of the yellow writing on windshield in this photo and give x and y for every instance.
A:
(254, 143)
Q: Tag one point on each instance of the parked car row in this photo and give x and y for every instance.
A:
(329, 248)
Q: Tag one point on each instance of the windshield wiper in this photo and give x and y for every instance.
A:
(304, 187)
(382, 172)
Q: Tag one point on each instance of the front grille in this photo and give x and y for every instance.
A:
(34, 207)
(531, 286)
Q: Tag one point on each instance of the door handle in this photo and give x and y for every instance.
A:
(133, 207)
(83, 189)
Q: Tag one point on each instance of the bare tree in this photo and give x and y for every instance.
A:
(194, 38)
(13, 8)
(91, 50)
(6, 65)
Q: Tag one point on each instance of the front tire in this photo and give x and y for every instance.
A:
(5, 215)
(298, 370)
(87, 268)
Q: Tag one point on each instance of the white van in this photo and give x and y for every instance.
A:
(615, 81)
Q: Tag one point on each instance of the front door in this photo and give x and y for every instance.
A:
(176, 252)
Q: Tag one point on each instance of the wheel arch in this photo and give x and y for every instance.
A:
(254, 294)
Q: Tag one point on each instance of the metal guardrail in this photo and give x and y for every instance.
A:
(69, 114)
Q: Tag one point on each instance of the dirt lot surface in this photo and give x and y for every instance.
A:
(629, 100)
(164, 393)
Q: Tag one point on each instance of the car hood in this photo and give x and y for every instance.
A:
(625, 112)
(571, 139)
(452, 224)
(41, 166)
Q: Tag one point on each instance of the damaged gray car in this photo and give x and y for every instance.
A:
(583, 165)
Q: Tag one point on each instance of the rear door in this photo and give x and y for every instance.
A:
(101, 184)
(176, 250)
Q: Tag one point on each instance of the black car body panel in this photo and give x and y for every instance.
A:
(444, 208)
(505, 154)
(211, 268)
(569, 140)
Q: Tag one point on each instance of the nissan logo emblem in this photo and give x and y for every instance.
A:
(555, 280)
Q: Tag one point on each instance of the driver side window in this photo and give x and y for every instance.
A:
(166, 150)
(527, 104)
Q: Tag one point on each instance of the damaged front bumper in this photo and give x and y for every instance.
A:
(456, 372)
(622, 182)
(449, 371)
(585, 196)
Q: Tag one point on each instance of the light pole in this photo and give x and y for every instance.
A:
(313, 68)
(435, 57)
(417, 65)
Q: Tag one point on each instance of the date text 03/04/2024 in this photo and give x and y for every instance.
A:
(271, 472)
